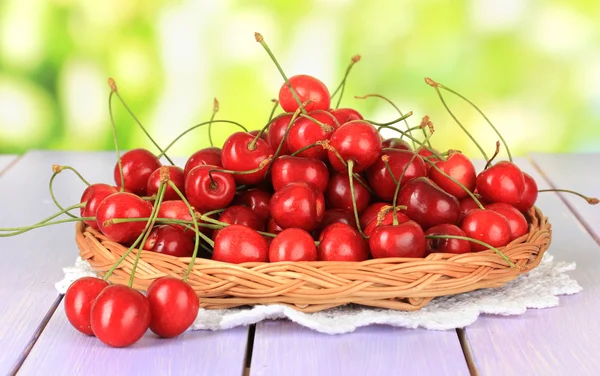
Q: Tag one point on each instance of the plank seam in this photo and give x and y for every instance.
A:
(36, 335)
(573, 210)
(467, 351)
(249, 349)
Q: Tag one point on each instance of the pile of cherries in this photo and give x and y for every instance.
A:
(317, 183)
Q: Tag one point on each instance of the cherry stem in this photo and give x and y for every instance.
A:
(386, 159)
(260, 39)
(489, 162)
(44, 222)
(326, 113)
(212, 117)
(482, 114)
(393, 105)
(252, 145)
(439, 93)
(403, 117)
(305, 148)
(261, 166)
(114, 129)
(432, 164)
(590, 200)
(209, 213)
(397, 191)
(200, 125)
(351, 181)
(419, 143)
(510, 263)
(57, 170)
(355, 59)
(113, 87)
(275, 104)
(324, 127)
(287, 131)
(325, 145)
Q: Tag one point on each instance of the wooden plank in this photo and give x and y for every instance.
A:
(33, 262)
(577, 172)
(286, 348)
(556, 341)
(5, 161)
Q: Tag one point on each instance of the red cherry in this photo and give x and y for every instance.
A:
(120, 316)
(237, 244)
(530, 194)
(276, 132)
(358, 141)
(293, 244)
(177, 209)
(380, 179)
(395, 143)
(340, 242)
(387, 220)
(487, 226)
(306, 132)
(344, 115)
(79, 298)
(208, 156)
(205, 194)
(447, 245)
(339, 196)
(175, 175)
(122, 205)
(137, 164)
(238, 154)
(403, 240)
(288, 169)
(173, 306)
(256, 132)
(258, 201)
(503, 182)
(170, 240)
(92, 197)
(370, 213)
(427, 204)
(335, 216)
(298, 204)
(458, 167)
(273, 227)
(516, 220)
(241, 215)
(425, 154)
(467, 204)
(307, 88)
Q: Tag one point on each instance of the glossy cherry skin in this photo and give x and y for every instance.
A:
(344, 115)
(138, 165)
(395, 143)
(122, 205)
(335, 216)
(429, 155)
(120, 316)
(177, 209)
(459, 168)
(380, 179)
(307, 88)
(207, 156)
(403, 240)
(370, 213)
(92, 197)
(238, 155)
(205, 194)
(276, 132)
(78, 301)
(516, 220)
(467, 204)
(358, 141)
(173, 306)
(237, 244)
(338, 194)
(387, 220)
(447, 245)
(530, 194)
(273, 227)
(293, 244)
(169, 240)
(427, 204)
(305, 132)
(288, 169)
(241, 215)
(299, 205)
(503, 182)
(340, 242)
(487, 226)
(258, 201)
(175, 175)
(256, 132)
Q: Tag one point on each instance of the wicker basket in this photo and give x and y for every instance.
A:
(405, 284)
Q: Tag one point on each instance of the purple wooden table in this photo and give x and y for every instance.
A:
(35, 337)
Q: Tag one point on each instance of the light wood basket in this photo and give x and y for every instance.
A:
(405, 284)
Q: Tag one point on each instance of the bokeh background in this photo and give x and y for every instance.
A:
(532, 66)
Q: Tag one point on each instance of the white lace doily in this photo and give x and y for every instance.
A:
(539, 288)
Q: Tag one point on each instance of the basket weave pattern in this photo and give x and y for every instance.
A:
(405, 284)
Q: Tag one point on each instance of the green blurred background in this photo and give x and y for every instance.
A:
(532, 66)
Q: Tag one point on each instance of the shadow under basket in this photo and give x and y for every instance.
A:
(405, 284)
